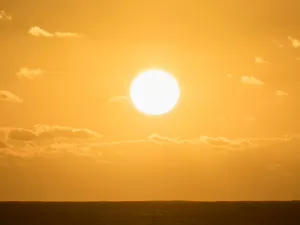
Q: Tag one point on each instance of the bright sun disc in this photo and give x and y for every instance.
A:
(154, 92)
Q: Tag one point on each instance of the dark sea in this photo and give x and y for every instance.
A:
(165, 213)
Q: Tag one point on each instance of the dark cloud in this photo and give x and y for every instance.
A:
(3, 145)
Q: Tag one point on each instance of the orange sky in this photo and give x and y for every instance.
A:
(230, 137)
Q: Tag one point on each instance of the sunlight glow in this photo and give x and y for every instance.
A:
(154, 92)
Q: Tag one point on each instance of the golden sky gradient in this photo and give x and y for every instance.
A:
(69, 132)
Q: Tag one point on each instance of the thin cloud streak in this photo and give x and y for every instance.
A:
(39, 32)
(44, 132)
(9, 97)
(66, 34)
(251, 80)
(277, 43)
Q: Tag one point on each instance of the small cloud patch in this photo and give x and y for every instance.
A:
(295, 42)
(29, 73)
(10, 97)
(281, 93)
(5, 16)
(260, 60)
(251, 80)
(39, 32)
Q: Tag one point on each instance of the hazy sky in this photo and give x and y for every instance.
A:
(69, 132)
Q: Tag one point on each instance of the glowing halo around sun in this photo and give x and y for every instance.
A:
(154, 92)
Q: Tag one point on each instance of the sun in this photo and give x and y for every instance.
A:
(154, 92)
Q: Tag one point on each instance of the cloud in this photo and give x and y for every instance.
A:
(39, 32)
(174, 168)
(295, 42)
(281, 93)
(251, 80)
(21, 134)
(3, 145)
(4, 16)
(66, 34)
(161, 139)
(29, 73)
(249, 118)
(46, 131)
(118, 99)
(259, 60)
(277, 43)
(43, 132)
(202, 142)
(10, 97)
(222, 142)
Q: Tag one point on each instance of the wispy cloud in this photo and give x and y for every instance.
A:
(281, 93)
(295, 42)
(5, 16)
(64, 131)
(29, 73)
(156, 137)
(251, 80)
(66, 34)
(277, 43)
(8, 96)
(44, 132)
(239, 160)
(259, 60)
(39, 32)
